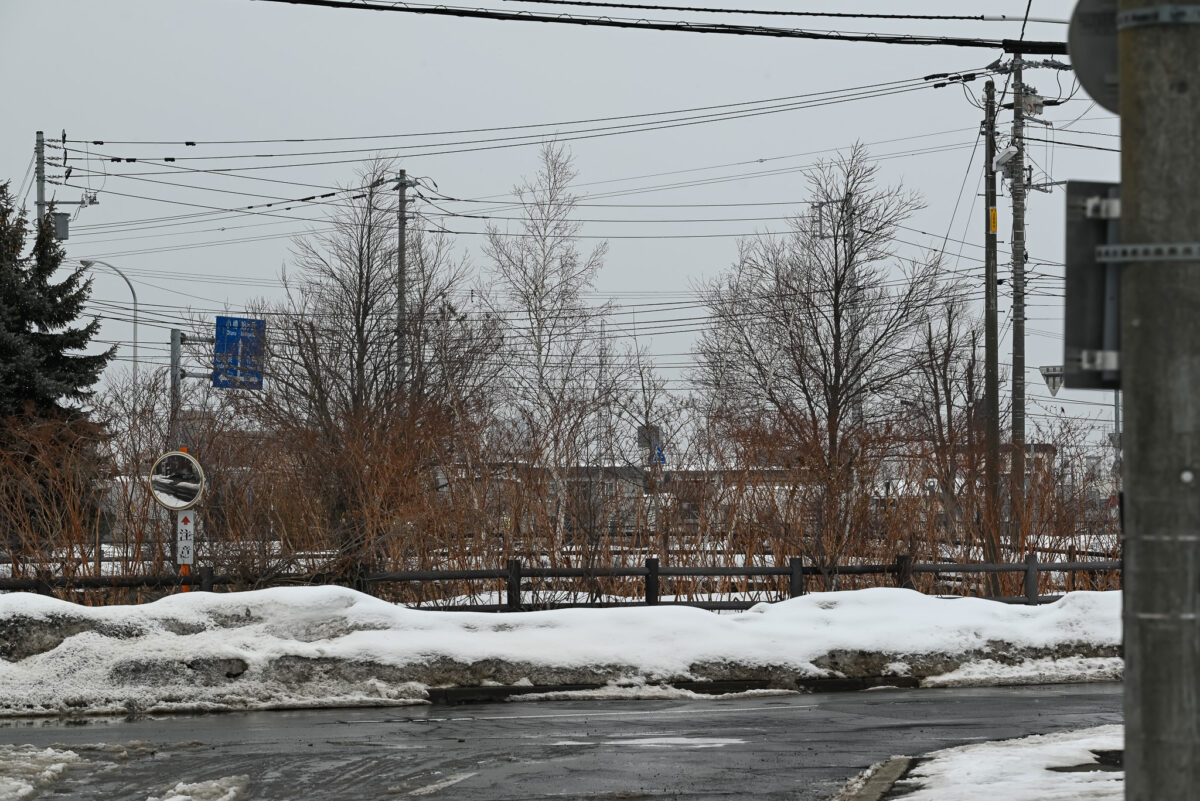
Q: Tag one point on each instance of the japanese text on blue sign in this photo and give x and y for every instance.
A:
(238, 353)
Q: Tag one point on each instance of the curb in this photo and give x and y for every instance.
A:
(492, 693)
(881, 780)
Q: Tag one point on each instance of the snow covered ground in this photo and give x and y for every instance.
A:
(1052, 767)
(331, 646)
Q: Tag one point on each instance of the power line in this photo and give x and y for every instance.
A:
(203, 217)
(1073, 144)
(499, 128)
(1007, 45)
(29, 169)
(254, 210)
(765, 13)
(529, 140)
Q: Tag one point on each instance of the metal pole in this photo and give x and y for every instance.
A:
(1117, 420)
(176, 398)
(40, 172)
(88, 263)
(1160, 340)
(991, 340)
(1017, 476)
(402, 279)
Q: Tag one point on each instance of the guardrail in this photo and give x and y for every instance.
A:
(516, 574)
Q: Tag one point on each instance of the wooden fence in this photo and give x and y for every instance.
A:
(516, 575)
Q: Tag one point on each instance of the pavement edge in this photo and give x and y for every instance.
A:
(879, 781)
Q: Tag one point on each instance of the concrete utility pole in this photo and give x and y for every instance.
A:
(176, 397)
(1159, 56)
(40, 173)
(61, 221)
(991, 336)
(1018, 189)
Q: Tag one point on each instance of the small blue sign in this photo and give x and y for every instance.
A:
(238, 353)
(659, 458)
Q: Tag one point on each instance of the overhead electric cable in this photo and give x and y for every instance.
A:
(765, 13)
(532, 139)
(1007, 45)
(213, 211)
(1079, 145)
(497, 128)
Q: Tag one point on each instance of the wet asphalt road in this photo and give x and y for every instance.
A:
(776, 747)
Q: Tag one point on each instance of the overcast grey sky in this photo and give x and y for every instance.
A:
(199, 70)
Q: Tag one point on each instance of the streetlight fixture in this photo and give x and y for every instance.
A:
(89, 263)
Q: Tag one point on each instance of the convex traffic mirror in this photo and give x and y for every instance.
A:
(176, 481)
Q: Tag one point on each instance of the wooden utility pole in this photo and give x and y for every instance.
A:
(1159, 57)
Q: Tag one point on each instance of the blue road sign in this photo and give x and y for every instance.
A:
(238, 353)
(659, 457)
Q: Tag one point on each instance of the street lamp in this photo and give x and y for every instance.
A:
(89, 263)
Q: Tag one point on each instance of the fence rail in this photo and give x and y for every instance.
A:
(516, 574)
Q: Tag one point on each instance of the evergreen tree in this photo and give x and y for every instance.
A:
(43, 371)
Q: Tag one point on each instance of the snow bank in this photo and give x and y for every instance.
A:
(1022, 770)
(322, 646)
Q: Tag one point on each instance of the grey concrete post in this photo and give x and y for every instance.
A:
(1160, 377)
(176, 397)
(1018, 188)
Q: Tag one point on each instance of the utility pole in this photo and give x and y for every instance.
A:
(402, 185)
(1116, 443)
(61, 220)
(176, 397)
(1018, 188)
(1159, 58)
(40, 172)
(991, 336)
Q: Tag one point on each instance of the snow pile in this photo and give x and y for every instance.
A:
(1063, 670)
(1022, 770)
(229, 788)
(324, 646)
(24, 769)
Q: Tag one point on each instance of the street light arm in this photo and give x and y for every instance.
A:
(88, 263)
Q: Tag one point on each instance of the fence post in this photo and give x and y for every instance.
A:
(1031, 579)
(206, 579)
(43, 583)
(513, 586)
(904, 574)
(1072, 556)
(652, 582)
(360, 578)
(796, 579)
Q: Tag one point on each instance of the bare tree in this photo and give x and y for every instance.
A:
(333, 362)
(333, 339)
(945, 403)
(651, 430)
(813, 330)
(553, 339)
